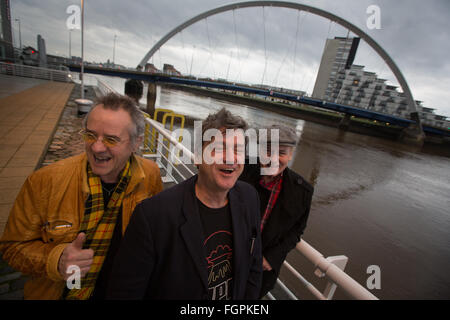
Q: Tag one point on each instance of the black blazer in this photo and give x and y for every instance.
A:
(162, 254)
(287, 220)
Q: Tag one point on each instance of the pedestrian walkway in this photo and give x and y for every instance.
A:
(10, 84)
(27, 122)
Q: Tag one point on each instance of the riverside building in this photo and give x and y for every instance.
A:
(341, 81)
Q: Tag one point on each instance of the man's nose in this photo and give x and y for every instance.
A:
(229, 156)
(98, 146)
(275, 159)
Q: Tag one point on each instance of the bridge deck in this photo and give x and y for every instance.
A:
(164, 78)
(28, 119)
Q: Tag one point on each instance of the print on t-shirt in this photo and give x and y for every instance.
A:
(219, 260)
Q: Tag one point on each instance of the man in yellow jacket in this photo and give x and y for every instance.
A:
(69, 217)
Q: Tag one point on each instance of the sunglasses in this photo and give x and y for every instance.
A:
(90, 137)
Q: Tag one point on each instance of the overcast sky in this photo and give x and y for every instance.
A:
(274, 46)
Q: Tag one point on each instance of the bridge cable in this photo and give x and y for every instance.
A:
(184, 51)
(265, 49)
(242, 65)
(211, 52)
(295, 48)
(275, 80)
(237, 45)
(192, 59)
(229, 63)
(305, 16)
(160, 59)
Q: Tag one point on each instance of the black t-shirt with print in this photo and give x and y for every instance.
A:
(218, 245)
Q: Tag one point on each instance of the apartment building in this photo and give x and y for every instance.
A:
(341, 81)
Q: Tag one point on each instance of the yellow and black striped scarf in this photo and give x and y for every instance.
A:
(98, 224)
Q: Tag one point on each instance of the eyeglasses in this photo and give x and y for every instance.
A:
(90, 137)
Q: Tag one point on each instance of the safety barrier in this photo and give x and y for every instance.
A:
(167, 113)
(331, 268)
(20, 70)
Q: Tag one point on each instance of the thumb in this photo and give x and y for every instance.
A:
(78, 242)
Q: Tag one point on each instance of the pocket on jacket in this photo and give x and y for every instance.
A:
(58, 231)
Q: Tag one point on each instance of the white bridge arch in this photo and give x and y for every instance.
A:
(297, 6)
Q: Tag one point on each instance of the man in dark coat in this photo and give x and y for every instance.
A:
(285, 200)
(201, 238)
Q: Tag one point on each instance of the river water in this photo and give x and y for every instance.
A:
(376, 201)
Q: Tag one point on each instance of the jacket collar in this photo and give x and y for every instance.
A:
(286, 208)
(288, 193)
(240, 238)
(193, 235)
(192, 232)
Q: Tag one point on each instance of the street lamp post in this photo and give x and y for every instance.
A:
(70, 44)
(84, 105)
(114, 51)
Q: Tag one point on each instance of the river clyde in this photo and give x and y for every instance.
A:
(376, 201)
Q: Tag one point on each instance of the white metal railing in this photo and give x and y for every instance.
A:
(104, 87)
(165, 148)
(20, 70)
(331, 268)
(166, 153)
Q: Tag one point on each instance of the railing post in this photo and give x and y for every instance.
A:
(340, 262)
(334, 273)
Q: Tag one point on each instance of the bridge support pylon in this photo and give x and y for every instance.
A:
(151, 98)
(413, 134)
(345, 122)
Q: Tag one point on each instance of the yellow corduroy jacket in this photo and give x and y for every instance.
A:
(47, 214)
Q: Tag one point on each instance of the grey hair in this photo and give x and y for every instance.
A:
(113, 101)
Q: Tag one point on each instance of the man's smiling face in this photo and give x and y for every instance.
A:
(219, 171)
(108, 159)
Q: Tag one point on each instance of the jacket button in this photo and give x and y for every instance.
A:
(299, 181)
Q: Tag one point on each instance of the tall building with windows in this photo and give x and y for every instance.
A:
(6, 41)
(338, 55)
(341, 81)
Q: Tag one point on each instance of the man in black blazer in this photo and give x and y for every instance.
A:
(285, 201)
(199, 239)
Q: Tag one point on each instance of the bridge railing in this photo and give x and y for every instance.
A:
(104, 88)
(34, 72)
(331, 268)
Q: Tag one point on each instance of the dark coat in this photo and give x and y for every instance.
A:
(287, 220)
(162, 254)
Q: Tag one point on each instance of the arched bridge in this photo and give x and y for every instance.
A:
(415, 126)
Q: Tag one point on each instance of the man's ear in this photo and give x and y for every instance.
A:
(137, 143)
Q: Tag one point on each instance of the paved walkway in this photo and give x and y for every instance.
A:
(10, 84)
(27, 122)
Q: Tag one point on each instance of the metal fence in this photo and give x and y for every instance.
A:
(20, 70)
(330, 268)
